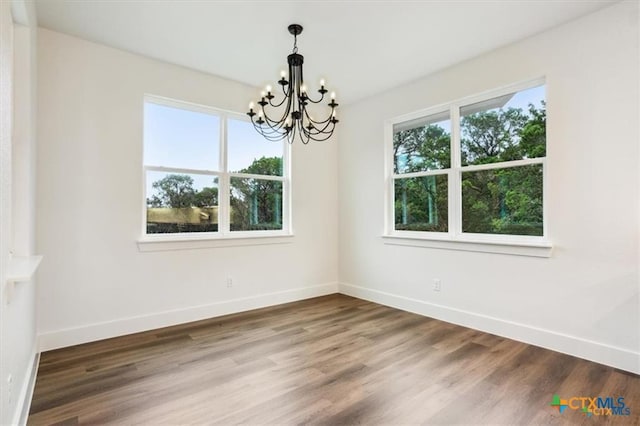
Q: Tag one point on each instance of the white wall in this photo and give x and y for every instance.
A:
(584, 299)
(17, 198)
(94, 282)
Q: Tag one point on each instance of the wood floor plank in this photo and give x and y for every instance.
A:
(333, 360)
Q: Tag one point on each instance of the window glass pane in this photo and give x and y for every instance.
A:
(181, 203)
(422, 144)
(421, 203)
(511, 127)
(175, 137)
(249, 152)
(503, 201)
(256, 204)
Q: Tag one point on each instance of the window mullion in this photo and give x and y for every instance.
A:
(286, 188)
(503, 164)
(254, 176)
(181, 170)
(455, 178)
(420, 174)
(223, 193)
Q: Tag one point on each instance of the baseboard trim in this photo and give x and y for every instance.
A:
(104, 330)
(26, 392)
(617, 357)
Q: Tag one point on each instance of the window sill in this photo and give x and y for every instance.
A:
(150, 243)
(533, 248)
(22, 268)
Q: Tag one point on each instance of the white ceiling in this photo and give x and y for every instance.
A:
(359, 47)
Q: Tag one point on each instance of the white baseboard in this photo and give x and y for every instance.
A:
(26, 392)
(621, 358)
(104, 330)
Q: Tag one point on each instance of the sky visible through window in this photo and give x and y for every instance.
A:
(187, 139)
(522, 99)
(247, 145)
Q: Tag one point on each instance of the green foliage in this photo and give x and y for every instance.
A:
(421, 204)
(421, 148)
(265, 166)
(176, 191)
(491, 136)
(503, 135)
(533, 136)
(207, 197)
(173, 191)
(503, 201)
(256, 204)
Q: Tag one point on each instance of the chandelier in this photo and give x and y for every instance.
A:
(278, 120)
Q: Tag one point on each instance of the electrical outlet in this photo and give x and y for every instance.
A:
(437, 285)
(229, 282)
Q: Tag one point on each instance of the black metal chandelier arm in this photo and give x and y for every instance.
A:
(330, 121)
(319, 100)
(320, 132)
(326, 137)
(280, 121)
(313, 129)
(277, 136)
(265, 125)
(295, 130)
(284, 99)
(304, 136)
(268, 136)
(285, 90)
(313, 136)
(259, 123)
(311, 120)
(269, 129)
(318, 122)
(273, 124)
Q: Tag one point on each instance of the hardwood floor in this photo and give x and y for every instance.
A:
(332, 360)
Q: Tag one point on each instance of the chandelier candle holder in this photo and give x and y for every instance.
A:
(294, 117)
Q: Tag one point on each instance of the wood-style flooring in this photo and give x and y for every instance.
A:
(332, 360)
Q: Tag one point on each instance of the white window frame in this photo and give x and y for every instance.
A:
(224, 236)
(455, 239)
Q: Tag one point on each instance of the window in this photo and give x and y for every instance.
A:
(208, 173)
(472, 170)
